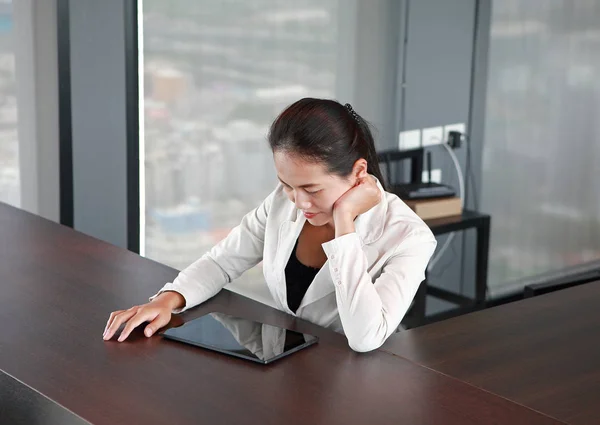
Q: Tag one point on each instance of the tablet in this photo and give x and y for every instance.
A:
(240, 337)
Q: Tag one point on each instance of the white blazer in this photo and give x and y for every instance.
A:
(363, 290)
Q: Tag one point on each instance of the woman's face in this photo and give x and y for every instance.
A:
(311, 187)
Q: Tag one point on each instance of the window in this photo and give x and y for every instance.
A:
(542, 138)
(9, 142)
(214, 76)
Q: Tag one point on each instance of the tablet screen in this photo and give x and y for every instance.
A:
(240, 337)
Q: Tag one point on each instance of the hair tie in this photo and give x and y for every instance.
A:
(354, 114)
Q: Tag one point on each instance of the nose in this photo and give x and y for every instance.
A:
(301, 202)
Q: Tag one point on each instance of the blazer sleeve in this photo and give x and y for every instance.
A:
(241, 250)
(370, 311)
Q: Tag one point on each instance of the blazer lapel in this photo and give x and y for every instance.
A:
(288, 234)
(321, 286)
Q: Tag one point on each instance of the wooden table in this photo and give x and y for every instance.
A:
(58, 287)
(543, 352)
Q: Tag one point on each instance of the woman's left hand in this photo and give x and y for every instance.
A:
(357, 200)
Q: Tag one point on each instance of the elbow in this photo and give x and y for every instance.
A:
(367, 337)
(364, 345)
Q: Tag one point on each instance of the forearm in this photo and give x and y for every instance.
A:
(359, 305)
(371, 309)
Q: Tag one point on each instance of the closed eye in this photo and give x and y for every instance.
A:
(286, 187)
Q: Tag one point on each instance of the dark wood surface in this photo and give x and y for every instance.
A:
(22, 405)
(58, 287)
(543, 352)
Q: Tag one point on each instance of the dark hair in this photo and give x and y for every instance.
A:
(326, 131)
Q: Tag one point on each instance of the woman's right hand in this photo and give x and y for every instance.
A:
(157, 312)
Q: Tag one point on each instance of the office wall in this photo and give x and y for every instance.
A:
(97, 56)
(444, 81)
(375, 67)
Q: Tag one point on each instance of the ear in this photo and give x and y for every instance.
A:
(359, 170)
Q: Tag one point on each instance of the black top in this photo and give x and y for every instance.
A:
(298, 278)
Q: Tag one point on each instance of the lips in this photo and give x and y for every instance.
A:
(309, 215)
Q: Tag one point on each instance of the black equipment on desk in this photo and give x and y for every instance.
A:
(417, 189)
(423, 191)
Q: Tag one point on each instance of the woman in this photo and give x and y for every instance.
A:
(337, 249)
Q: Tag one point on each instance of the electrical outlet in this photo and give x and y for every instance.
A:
(410, 139)
(460, 127)
(436, 176)
(432, 136)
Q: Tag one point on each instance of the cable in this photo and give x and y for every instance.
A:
(471, 184)
(461, 189)
(444, 267)
(440, 253)
(461, 180)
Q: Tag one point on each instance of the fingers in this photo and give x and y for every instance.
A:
(111, 319)
(156, 324)
(140, 317)
(117, 320)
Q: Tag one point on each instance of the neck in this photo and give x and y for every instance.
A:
(326, 231)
